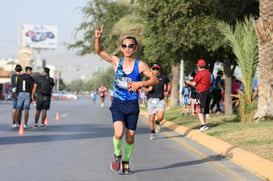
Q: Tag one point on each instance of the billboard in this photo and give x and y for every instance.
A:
(39, 36)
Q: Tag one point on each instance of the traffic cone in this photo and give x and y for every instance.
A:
(21, 129)
(46, 121)
(57, 116)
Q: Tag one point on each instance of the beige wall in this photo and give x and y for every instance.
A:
(24, 56)
(5, 76)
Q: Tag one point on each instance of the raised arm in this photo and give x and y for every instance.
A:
(98, 49)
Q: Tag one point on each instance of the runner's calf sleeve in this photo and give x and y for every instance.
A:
(128, 151)
(117, 146)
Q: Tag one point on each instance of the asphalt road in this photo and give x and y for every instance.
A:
(78, 147)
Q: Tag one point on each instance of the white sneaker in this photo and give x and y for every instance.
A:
(43, 126)
(26, 126)
(203, 128)
(35, 125)
(14, 125)
(152, 137)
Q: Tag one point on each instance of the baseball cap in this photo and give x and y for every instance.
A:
(155, 66)
(201, 62)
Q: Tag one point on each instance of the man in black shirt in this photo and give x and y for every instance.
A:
(156, 103)
(14, 80)
(43, 84)
(23, 90)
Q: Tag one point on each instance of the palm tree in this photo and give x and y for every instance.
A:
(243, 41)
(264, 30)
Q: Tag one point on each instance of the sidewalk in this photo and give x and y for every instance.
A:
(245, 159)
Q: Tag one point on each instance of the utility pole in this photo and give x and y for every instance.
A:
(181, 82)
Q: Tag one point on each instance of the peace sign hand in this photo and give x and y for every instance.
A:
(98, 32)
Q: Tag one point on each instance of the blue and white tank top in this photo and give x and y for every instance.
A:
(122, 80)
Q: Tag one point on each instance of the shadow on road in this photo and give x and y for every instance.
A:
(55, 133)
(184, 164)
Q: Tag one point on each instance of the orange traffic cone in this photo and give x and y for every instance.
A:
(57, 116)
(21, 129)
(46, 121)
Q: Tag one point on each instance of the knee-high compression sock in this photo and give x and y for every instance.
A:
(117, 146)
(128, 151)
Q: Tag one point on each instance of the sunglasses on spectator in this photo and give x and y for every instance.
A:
(155, 69)
(128, 45)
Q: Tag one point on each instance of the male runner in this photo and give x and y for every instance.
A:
(102, 91)
(156, 102)
(125, 108)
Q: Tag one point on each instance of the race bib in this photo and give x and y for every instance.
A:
(122, 82)
(154, 100)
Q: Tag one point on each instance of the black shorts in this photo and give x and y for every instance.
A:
(193, 95)
(43, 103)
(203, 99)
(125, 111)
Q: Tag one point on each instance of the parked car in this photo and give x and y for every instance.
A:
(5, 91)
(63, 95)
(9, 95)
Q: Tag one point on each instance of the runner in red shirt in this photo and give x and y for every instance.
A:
(102, 90)
(201, 82)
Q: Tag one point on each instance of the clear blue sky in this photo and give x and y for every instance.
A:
(65, 14)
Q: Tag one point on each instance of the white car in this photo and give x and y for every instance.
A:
(63, 95)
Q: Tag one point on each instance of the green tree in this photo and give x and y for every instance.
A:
(62, 85)
(94, 82)
(172, 30)
(95, 14)
(243, 41)
(106, 78)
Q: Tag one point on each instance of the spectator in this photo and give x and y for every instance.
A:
(43, 84)
(143, 97)
(217, 92)
(23, 89)
(202, 84)
(193, 96)
(185, 94)
(14, 80)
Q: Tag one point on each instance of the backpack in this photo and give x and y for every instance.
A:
(45, 86)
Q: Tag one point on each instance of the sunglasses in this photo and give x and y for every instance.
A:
(128, 45)
(155, 69)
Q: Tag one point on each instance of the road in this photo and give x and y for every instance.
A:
(78, 147)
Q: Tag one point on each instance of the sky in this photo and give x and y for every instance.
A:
(65, 14)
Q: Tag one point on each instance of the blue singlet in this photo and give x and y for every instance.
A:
(122, 80)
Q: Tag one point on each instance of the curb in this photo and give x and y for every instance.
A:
(245, 159)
